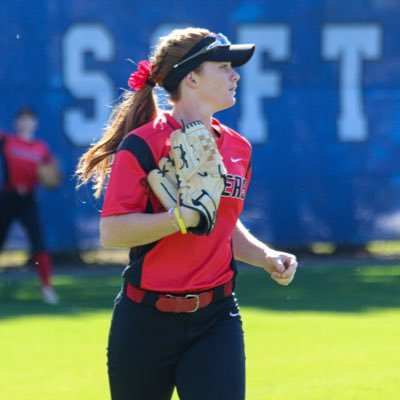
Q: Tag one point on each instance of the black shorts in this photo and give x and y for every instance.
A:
(201, 354)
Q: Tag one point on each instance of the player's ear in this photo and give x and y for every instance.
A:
(191, 79)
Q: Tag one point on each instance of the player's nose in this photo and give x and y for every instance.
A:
(235, 75)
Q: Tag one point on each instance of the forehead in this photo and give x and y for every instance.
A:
(211, 65)
(26, 116)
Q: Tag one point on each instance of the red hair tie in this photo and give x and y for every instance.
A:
(140, 77)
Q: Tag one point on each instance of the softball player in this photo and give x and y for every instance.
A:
(21, 155)
(176, 322)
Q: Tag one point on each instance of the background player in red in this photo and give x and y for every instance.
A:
(176, 322)
(22, 155)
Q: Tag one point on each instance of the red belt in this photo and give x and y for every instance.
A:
(178, 303)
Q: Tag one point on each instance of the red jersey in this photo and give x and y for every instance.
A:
(177, 263)
(21, 159)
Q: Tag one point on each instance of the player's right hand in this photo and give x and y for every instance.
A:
(281, 266)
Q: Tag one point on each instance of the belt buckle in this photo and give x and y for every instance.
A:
(194, 296)
(188, 296)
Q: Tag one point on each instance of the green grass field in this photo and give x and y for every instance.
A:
(333, 334)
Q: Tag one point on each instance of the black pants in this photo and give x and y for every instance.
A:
(14, 206)
(201, 353)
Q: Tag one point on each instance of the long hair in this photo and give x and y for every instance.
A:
(135, 108)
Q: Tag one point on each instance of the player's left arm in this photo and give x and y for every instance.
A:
(280, 265)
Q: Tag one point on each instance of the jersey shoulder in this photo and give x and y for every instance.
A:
(41, 143)
(153, 134)
(5, 135)
(158, 126)
(231, 133)
(148, 142)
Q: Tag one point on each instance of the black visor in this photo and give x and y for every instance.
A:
(215, 47)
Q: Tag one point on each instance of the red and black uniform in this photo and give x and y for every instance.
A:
(20, 159)
(151, 351)
(204, 261)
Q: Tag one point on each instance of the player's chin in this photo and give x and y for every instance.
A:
(232, 99)
(228, 103)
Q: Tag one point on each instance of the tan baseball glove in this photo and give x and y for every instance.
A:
(193, 176)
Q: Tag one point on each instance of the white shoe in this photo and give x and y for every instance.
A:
(49, 296)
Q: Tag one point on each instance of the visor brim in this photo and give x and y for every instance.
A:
(236, 54)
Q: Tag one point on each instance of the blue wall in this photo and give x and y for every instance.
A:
(320, 102)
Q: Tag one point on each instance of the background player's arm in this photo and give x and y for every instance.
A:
(48, 169)
(137, 229)
(247, 248)
(49, 174)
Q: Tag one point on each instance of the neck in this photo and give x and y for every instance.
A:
(189, 113)
(25, 135)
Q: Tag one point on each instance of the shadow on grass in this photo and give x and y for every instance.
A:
(81, 290)
(356, 287)
(336, 287)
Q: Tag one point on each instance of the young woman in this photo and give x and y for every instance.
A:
(22, 155)
(176, 321)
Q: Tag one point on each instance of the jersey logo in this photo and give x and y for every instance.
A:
(235, 160)
(26, 154)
